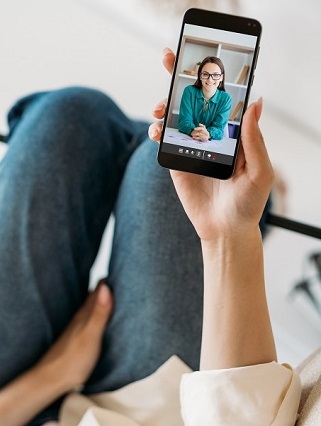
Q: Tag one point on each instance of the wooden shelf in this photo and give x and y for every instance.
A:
(190, 77)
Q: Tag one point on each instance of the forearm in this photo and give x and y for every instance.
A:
(185, 126)
(236, 323)
(185, 118)
(216, 133)
(30, 393)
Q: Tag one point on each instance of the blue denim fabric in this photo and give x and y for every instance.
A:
(73, 159)
(156, 276)
(59, 180)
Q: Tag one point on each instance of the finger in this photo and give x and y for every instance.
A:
(102, 308)
(259, 108)
(84, 313)
(160, 109)
(104, 297)
(168, 59)
(201, 131)
(252, 138)
(155, 131)
(255, 152)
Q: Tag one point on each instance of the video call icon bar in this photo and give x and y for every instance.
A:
(197, 154)
(191, 151)
(202, 155)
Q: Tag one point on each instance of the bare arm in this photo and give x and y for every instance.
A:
(31, 392)
(236, 324)
(65, 366)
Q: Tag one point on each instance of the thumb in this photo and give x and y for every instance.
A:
(258, 108)
(257, 161)
(252, 140)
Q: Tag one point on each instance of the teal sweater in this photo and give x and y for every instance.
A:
(214, 115)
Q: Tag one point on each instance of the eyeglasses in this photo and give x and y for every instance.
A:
(205, 76)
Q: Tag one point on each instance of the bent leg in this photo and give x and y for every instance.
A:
(58, 183)
(156, 276)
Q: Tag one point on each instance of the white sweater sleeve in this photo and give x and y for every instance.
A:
(260, 395)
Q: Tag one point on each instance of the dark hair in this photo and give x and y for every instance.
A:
(212, 60)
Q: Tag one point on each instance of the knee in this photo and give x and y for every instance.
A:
(64, 120)
(78, 98)
(75, 106)
(67, 105)
(71, 119)
(59, 126)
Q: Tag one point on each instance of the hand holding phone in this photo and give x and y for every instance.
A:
(221, 206)
(213, 74)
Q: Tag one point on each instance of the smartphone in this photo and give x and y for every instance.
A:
(213, 74)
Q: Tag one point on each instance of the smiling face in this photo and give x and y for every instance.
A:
(211, 77)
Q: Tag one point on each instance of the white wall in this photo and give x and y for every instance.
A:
(116, 46)
(52, 43)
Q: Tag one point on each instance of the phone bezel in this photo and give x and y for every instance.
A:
(220, 21)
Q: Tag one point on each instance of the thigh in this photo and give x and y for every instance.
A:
(156, 274)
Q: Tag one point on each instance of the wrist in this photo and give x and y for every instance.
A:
(231, 257)
(232, 237)
(53, 373)
(35, 389)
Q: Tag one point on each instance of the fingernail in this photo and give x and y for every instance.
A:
(166, 50)
(258, 108)
(153, 133)
(159, 107)
(103, 295)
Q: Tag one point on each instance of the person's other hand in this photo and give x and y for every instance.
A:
(75, 354)
(225, 206)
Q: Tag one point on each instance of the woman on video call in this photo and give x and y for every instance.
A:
(205, 106)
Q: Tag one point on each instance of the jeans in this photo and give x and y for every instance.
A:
(62, 177)
(73, 160)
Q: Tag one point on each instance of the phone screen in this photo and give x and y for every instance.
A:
(213, 73)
